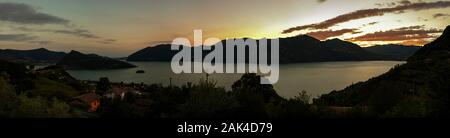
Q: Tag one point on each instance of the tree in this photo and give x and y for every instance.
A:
(130, 97)
(251, 83)
(30, 107)
(253, 96)
(38, 107)
(59, 109)
(302, 97)
(103, 85)
(207, 101)
(8, 99)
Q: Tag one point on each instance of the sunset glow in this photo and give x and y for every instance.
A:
(117, 28)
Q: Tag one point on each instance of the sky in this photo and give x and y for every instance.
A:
(117, 28)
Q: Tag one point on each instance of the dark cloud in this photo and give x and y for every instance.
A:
(387, 4)
(422, 19)
(369, 24)
(154, 43)
(439, 15)
(16, 37)
(373, 23)
(405, 2)
(323, 35)
(111, 40)
(25, 14)
(40, 42)
(23, 38)
(108, 41)
(391, 4)
(26, 29)
(321, 1)
(400, 34)
(359, 14)
(82, 33)
(74, 32)
(77, 32)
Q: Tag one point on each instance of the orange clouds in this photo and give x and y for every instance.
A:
(439, 15)
(415, 42)
(408, 35)
(360, 14)
(322, 35)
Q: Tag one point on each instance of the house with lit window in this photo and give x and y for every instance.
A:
(89, 100)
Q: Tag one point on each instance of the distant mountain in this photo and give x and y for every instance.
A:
(120, 58)
(157, 53)
(77, 60)
(419, 88)
(350, 51)
(395, 51)
(296, 49)
(35, 55)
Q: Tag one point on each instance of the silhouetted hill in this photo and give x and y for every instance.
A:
(157, 53)
(303, 48)
(76, 60)
(36, 55)
(419, 88)
(437, 50)
(13, 70)
(57, 73)
(351, 51)
(395, 51)
(295, 49)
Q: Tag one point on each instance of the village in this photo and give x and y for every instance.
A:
(104, 90)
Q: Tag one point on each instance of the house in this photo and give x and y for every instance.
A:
(120, 91)
(117, 91)
(91, 99)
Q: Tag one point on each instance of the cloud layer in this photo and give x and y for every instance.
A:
(322, 35)
(411, 33)
(25, 14)
(16, 37)
(441, 15)
(74, 32)
(360, 14)
(23, 38)
(321, 1)
(77, 32)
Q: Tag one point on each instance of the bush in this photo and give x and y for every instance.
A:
(207, 101)
(52, 89)
(8, 100)
(39, 107)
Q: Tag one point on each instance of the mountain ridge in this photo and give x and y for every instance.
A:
(396, 51)
(36, 55)
(75, 60)
(418, 88)
(296, 49)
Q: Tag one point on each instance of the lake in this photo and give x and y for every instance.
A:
(315, 78)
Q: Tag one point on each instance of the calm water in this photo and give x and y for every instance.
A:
(315, 78)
